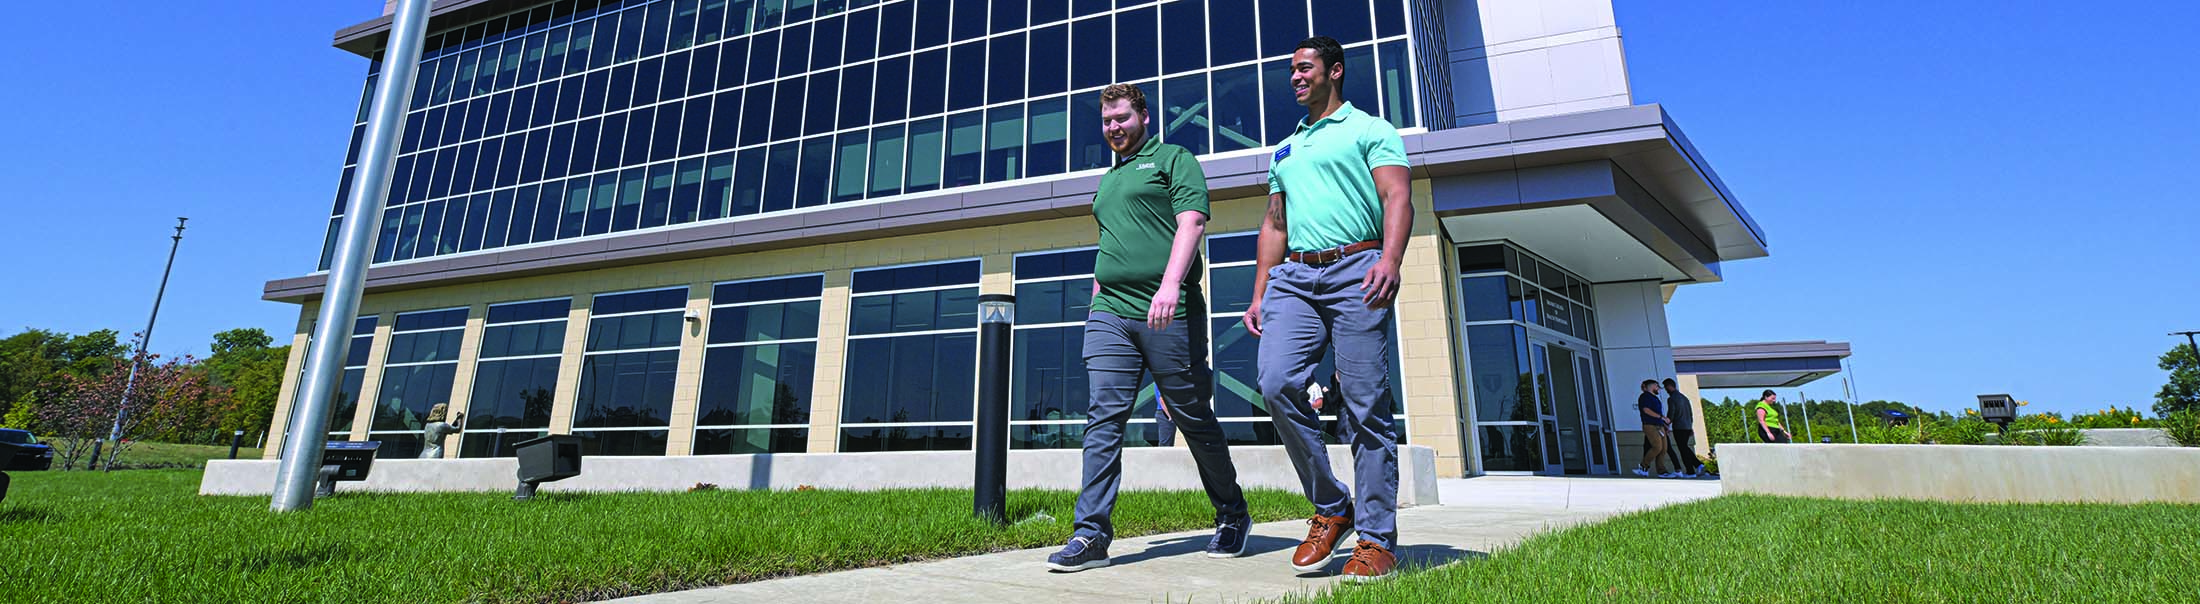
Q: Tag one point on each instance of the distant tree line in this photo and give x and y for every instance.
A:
(69, 388)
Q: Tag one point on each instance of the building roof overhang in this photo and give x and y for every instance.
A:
(1675, 204)
(365, 38)
(1760, 364)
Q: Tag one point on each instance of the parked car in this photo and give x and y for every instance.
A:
(29, 453)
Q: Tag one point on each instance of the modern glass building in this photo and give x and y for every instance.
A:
(703, 227)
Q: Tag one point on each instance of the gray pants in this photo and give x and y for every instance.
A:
(1306, 310)
(1118, 352)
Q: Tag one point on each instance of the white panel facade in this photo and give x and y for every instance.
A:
(1520, 59)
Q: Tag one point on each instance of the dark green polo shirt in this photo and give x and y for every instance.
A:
(1137, 206)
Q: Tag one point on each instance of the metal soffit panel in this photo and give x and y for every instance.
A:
(1628, 135)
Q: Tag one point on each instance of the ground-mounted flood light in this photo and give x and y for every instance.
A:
(550, 458)
(996, 324)
(1997, 409)
(345, 461)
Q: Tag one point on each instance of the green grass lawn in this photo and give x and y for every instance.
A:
(1768, 549)
(145, 536)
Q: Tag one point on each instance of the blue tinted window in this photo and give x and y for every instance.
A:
(1237, 109)
(817, 162)
(1282, 26)
(965, 148)
(1088, 70)
(914, 277)
(1346, 20)
(787, 109)
(1004, 143)
(1087, 149)
(891, 99)
(756, 114)
(633, 185)
(1007, 15)
(969, 19)
(1049, 72)
(1182, 112)
(1136, 49)
(849, 154)
(1059, 264)
(1183, 36)
(794, 50)
(1049, 11)
(748, 182)
(1396, 82)
(657, 200)
(764, 56)
(928, 79)
(780, 182)
(441, 319)
(933, 25)
(529, 311)
(1005, 72)
(1390, 18)
(855, 96)
(767, 290)
(733, 63)
(824, 91)
(630, 302)
(695, 126)
(861, 38)
(1047, 137)
(718, 187)
(1230, 31)
(887, 150)
(966, 73)
(825, 47)
(895, 25)
(1283, 110)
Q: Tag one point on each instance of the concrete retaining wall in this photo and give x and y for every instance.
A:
(1964, 473)
(1143, 469)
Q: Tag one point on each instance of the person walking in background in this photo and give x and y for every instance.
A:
(1340, 210)
(1769, 427)
(1655, 432)
(1148, 317)
(1683, 414)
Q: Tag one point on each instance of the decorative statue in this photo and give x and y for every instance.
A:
(438, 429)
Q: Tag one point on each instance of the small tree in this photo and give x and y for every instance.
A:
(83, 409)
(2182, 393)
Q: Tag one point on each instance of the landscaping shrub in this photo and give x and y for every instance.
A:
(2113, 417)
(2183, 427)
(1959, 432)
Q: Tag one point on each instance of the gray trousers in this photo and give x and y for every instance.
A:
(1118, 352)
(1306, 310)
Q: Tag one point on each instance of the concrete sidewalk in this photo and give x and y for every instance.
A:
(1480, 515)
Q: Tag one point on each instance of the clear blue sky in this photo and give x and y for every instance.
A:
(1980, 197)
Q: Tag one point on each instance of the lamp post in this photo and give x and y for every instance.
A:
(301, 461)
(1853, 438)
(145, 343)
(996, 320)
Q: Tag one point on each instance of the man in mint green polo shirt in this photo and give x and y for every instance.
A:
(1148, 316)
(1339, 213)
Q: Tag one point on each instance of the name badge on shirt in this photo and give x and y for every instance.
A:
(1146, 166)
(1281, 153)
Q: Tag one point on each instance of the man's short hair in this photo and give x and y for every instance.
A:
(1669, 383)
(1649, 383)
(1116, 92)
(1328, 49)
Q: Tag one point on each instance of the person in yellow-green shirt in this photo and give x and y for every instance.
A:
(1769, 427)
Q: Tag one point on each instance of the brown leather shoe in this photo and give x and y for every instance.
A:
(1322, 535)
(1369, 562)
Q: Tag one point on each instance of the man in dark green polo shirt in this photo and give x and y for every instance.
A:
(1339, 213)
(1148, 316)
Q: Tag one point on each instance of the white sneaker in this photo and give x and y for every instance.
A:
(1641, 472)
(1669, 475)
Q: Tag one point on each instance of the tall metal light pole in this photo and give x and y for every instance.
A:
(996, 330)
(145, 343)
(347, 274)
(1852, 410)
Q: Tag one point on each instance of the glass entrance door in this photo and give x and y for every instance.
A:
(1593, 426)
(1546, 404)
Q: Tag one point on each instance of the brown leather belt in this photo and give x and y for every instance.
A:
(1332, 255)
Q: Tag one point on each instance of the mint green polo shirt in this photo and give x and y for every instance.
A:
(1136, 207)
(1325, 173)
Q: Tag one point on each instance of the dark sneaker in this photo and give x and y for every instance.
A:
(1230, 538)
(1369, 562)
(1323, 533)
(1081, 553)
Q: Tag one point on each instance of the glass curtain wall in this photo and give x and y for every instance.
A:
(1244, 416)
(1049, 392)
(1539, 402)
(912, 358)
(583, 117)
(759, 367)
(416, 376)
(517, 377)
(633, 354)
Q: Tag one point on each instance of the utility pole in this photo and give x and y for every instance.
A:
(145, 343)
(347, 276)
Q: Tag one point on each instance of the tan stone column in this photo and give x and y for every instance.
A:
(1427, 347)
(1688, 387)
(462, 380)
(832, 354)
(289, 391)
(569, 364)
(687, 384)
(371, 386)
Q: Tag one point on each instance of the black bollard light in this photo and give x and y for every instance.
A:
(996, 322)
(236, 439)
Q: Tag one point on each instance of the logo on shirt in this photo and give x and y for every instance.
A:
(1281, 153)
(1146, 166)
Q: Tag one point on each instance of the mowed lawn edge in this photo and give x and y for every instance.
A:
(146, 535)
(1746, 548)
